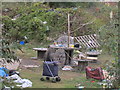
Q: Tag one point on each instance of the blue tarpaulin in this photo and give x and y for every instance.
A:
(3, 72)
(22, 42)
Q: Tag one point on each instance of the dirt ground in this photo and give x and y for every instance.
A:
(29, 62)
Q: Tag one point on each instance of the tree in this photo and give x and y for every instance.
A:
(109, 38)
(8, 44)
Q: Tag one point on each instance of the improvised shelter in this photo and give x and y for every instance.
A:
(64, 40)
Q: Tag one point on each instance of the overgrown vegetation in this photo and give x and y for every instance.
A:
(109, 37)
(38, 21)
(44, 22)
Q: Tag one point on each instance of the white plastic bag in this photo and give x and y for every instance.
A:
(15, 76)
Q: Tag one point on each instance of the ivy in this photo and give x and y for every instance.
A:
(109, 39)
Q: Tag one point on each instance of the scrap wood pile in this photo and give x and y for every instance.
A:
(90, 55)
(9, 66)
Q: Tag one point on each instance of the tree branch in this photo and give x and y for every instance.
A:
(82, 25)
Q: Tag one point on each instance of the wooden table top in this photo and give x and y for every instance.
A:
(40, 49)
(66, 48)
(83, 60)
(93, 53)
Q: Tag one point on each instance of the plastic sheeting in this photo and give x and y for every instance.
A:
(67, 68)
(15, 77)
(24, 83)
(3, 72)
(96, 73)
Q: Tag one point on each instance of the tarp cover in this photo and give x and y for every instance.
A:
(94, 73)
(3, 72)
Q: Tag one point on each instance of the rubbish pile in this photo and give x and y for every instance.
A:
(31, 66)
(24, 83)
(79, 86)
(9, 66)
(99, 74)
(13, 76)
(105, 84)
(82, 55)
(67, 68)
(107, 75)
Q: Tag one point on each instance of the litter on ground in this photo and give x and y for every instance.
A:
(3, 72)
(31, 65)
(24, 83)
(17, 79)
(67, 68)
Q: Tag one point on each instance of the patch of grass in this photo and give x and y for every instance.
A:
(69, 79)
(1, 85)
(28, 49)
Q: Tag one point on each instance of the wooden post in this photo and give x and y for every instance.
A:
(68, 29)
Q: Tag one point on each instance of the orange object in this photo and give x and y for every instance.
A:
(55, 43)
(92, 81)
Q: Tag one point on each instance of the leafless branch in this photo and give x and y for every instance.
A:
(82, 25)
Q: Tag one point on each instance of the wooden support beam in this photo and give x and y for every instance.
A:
(68, 29)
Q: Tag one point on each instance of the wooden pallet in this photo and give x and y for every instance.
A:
(88, 41)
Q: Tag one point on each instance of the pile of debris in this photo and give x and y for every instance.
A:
(23, 83)
(9, 66)
(67, 68)
(13, 76)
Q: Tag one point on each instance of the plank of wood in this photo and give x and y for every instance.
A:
(95, 40)
(92, 41)
(83, 38)
(85, 60)
(40, 49)
(88, 39)
(92, 58)
(80, 41)
(95, 45)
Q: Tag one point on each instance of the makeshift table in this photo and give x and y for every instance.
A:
(82, 64)
(93, 55)
(68, 53)
(40, 52)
